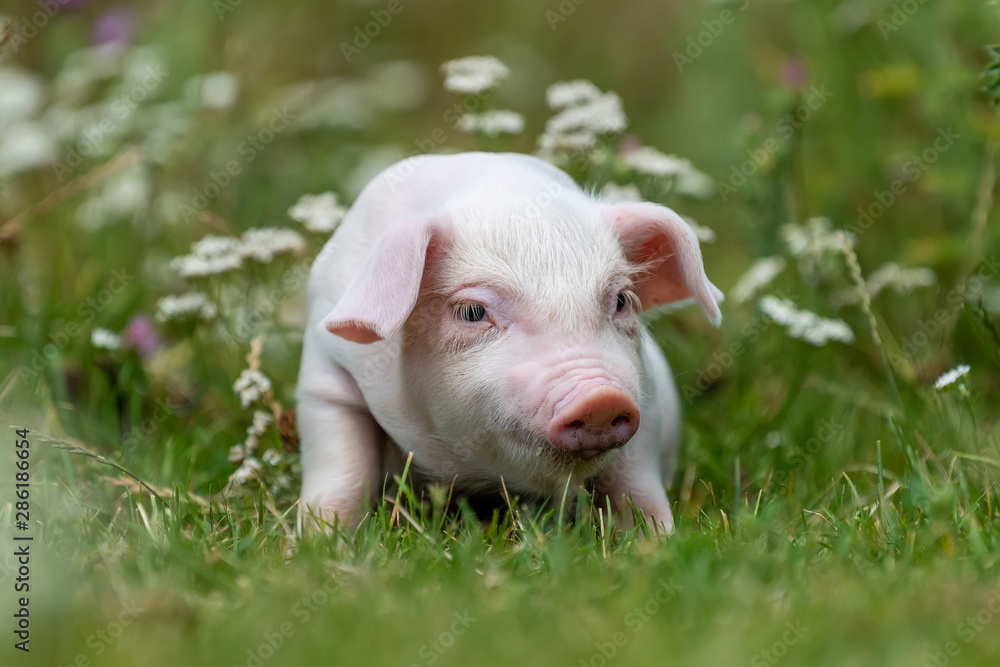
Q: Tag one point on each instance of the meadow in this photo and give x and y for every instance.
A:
(169, 170)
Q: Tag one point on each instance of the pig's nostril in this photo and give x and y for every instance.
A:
(597, 420)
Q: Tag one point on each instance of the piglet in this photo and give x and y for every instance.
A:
(481, 312)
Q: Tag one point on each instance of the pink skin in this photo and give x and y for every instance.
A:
(599, 418)
(567, 394)
(543, 384)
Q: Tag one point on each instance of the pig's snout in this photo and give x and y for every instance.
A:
(597, 420)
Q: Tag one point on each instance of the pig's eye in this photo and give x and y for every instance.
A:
(627, 302)
(472, 312)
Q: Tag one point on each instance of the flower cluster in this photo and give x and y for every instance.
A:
(251, 386)
(320, 214)
(492, 123)
(105, 339)
(211, 255)
(263, 244)
(583, 113)
(190, 305)
(804, 324)
(949, 378)
(760, 274)
(474, 74)
(673, 172)
(902, 280)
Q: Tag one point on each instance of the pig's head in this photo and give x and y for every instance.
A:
(520, 331)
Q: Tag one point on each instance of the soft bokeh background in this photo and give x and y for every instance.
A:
(784, 521)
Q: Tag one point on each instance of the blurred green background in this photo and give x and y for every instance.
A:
(785, 552)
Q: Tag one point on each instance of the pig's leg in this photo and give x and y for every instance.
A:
(340, 443)
(636, 477)
(648, 458)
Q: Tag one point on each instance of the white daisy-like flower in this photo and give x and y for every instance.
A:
(185, 306)
(263, 244)
(492, 123)
(576, 128)
(759, 275)
(601, 115)
(566, 143)
(804, 324)
(261, 420)
(693, 183)
(272, 457)
(246, 471)
(25, 146)
(902, 280)
(236, 453)
(563, 94)
(704, 234)
(319, 214)
(251, 385)
(105, 339)
(812, 239)
(621, 193)
(951, 377)
(217, 90)
(210, 256)
(651, 162)
(475, 74)
(241, 476)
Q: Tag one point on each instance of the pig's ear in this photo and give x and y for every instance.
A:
(666, 249)
(382, 295)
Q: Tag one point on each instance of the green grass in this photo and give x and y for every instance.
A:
(832, 507)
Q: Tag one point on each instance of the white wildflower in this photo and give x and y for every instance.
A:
(241, 476)
(319, 214)
(651, 162)
(613, 192)
(901, 279)
(236, 453)
(576, 127)
(812, 239)
(185, 306)
(704, 234)
(601, 115)
(23, 95)
(693, 183)
(951, 377)
(25, 146)
(804, 324)
(251, 385)
(475, 74)
(492, 123)
(209, 256)
(217, 90)
(759, 275)
(272, 457)
(261, 420)
(105, 339)
(263, 244)
(246, 471)
(564, 94)
(566, 143)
